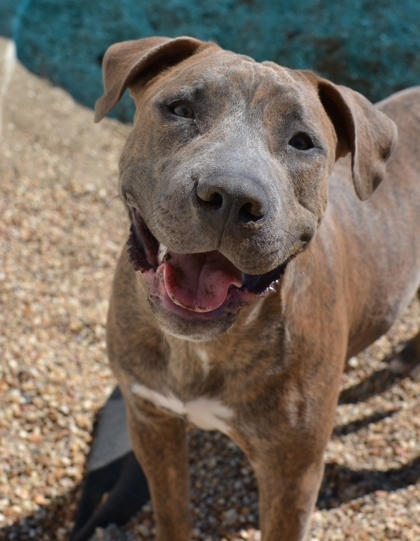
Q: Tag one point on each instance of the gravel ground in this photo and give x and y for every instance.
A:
(60, 234)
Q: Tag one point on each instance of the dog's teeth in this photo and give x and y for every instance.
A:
(162, 253)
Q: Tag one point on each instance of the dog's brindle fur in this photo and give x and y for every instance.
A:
(269, 373)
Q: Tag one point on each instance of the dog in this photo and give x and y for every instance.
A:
(274, 234)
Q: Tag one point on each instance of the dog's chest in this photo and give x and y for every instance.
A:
(204, 412)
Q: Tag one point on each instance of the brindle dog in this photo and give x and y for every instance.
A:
(255, 266)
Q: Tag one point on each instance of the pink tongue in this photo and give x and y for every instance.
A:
(199, 282)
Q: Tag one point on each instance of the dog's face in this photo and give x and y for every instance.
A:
(225, 175)
(225, 178)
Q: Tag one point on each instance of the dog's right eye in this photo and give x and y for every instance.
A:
(301, 141)
(182, 109)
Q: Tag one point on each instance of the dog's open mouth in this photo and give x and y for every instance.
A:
(204, 285)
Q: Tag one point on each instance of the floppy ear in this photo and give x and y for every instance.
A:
(125, 62)
(361, 129)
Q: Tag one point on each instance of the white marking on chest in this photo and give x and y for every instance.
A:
(205, 361)
(205, 413)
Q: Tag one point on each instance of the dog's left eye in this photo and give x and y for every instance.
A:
(182, 109)
(301, 141)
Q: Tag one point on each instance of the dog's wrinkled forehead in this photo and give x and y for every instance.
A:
(241, 94)
(224, 74)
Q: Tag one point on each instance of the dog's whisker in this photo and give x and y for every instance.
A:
(123, 135)
(295, 239)
(108, 203)
(155, 217)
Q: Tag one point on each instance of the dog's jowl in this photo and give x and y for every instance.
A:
(274, 234)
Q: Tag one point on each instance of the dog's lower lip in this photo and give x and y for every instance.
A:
(195, 310)
(168, 306)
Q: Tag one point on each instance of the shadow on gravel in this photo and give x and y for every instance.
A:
(342, 484)
(377, 383)
(344, 430)
(44, 524)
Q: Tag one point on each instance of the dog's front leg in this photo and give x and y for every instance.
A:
(160, 445)
(287, 493)
(286, 447)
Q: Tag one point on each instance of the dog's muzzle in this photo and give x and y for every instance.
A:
(205, 284)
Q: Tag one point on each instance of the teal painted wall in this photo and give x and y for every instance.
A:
(371, 46)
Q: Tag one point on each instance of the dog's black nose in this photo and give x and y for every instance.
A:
(239, 201)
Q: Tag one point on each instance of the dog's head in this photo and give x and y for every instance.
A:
(226, 170)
